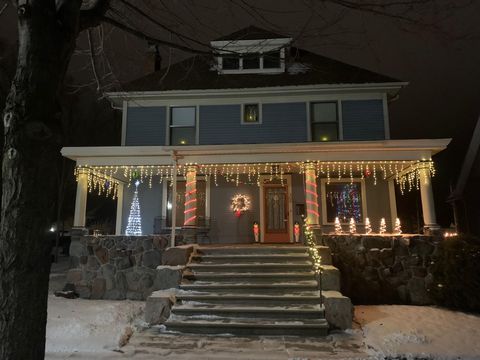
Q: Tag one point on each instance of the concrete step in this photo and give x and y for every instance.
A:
(264, 277)
(247, 326)
(250, 258)
(253, 267)
(252, 288)
(250, 249)
(281, 312)
(225, 298)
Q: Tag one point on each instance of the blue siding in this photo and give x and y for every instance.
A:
(363, 120)
(146, 126)
(281, 123)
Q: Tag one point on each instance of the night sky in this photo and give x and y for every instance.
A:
(440, 62)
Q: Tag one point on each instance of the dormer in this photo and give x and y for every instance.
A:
(251, 51)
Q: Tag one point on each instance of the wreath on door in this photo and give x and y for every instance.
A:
(240, 204)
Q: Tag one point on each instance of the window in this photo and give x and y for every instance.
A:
(324, 121)
(231, 63)
(180, 202)
(251, 114)
(344, 200)
(182, 125)
(271, 60)
(251, 61)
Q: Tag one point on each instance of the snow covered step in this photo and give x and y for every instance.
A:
(251, 249)
(247, 326)
(250, 258)
(249, 276)
(253, 267)
(301, 298)
(283, 312)
(252, 288)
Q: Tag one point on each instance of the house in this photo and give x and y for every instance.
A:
(243, 143)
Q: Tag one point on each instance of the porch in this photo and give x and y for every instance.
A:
(232, 193)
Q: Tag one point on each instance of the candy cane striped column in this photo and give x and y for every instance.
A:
(191, 197)
(311, 196)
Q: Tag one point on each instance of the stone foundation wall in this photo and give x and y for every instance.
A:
(123, 267)
(384, 269)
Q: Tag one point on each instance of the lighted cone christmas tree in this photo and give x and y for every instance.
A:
(398, 227)
(134, 226)
(368, 226)
(338, 227)
(383, 227)
(353, 227)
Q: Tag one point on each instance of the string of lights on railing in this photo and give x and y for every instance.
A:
(407, 174)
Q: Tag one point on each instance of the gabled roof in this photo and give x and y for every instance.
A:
(302, 68)
(251, 33)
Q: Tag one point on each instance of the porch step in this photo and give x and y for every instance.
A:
(282, 312)
(247, 326)
(252, 290)
(250, 258)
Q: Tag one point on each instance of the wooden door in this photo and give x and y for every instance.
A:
(276, 214)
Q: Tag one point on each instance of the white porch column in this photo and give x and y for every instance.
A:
(311, 196)
(393, 202)
(118, 222)
(81, 199)
(191, 197)
(428, 205)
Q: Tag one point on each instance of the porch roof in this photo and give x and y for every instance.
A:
(414, 149)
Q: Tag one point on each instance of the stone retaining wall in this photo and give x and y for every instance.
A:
(123, 267)
(384, 269)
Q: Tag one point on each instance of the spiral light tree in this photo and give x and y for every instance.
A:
(368, 227)
(352, 226)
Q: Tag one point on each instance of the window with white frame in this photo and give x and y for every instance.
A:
(343, 199)
(324, 121)
(183, 125)
(255, 62)
(251, 114)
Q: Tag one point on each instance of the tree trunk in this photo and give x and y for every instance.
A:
(47, 34)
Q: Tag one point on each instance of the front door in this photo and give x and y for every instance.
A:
(276, 214)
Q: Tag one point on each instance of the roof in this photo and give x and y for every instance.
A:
(302, 68)
(251, 33)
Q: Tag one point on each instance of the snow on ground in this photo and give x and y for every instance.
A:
(88, 326)
(419, 331)
(93, 329)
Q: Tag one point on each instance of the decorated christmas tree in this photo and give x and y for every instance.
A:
(383, 227)
(338, 227)
(368, 226)
(352, 227)
(398, 227)
(134, 226)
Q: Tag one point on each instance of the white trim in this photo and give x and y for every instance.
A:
(386, 117)
(260, 113)
(288, 179)
(413, 149)
(164, 198)
(340, 120)
(299, 90)
(323, 194)
(248, 46)
(124, 122)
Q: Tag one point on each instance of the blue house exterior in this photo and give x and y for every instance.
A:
(259, 133)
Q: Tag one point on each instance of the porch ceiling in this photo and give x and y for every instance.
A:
(382, 150)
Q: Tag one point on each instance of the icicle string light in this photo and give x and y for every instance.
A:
(407, 174)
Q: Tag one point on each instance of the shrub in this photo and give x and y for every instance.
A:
(456, 274)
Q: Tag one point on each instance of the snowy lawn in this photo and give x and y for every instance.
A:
(94, 329)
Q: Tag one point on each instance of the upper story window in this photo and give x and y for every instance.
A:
(251, 114)
(251, 61)
(182, 125)
(231, 63)
(324, 121)
(271, 60)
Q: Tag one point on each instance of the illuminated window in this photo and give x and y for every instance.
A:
(251, 114)
(182, 125)
(344, 200)
(324, 121)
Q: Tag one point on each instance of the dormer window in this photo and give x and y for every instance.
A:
(252, 56)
